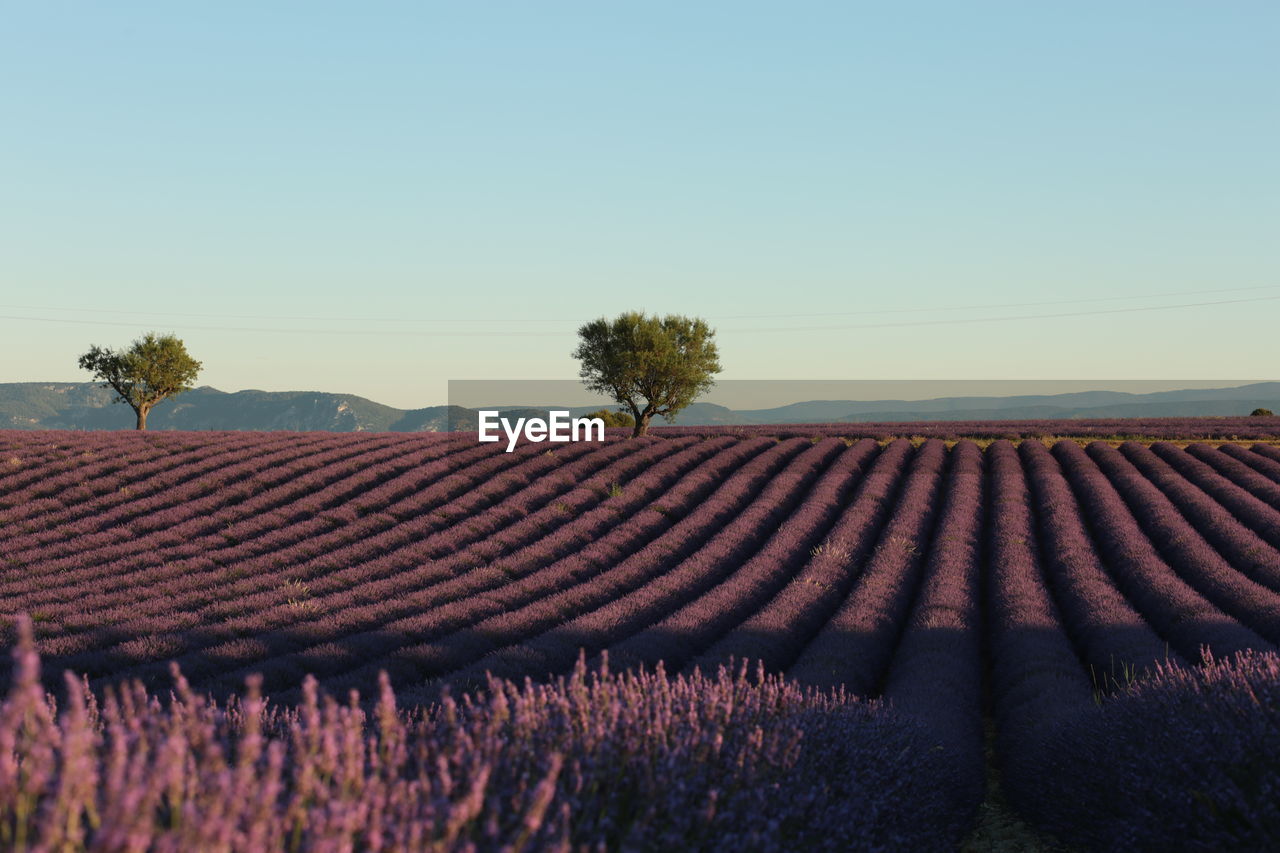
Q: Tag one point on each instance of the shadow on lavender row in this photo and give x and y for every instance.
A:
(410, 674)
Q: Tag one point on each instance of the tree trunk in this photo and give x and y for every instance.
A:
(142, 418)
(642, 425)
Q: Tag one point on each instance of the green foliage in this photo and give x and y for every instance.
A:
(152, 368)
(1262, 413)
(651, 365)
(613, 418)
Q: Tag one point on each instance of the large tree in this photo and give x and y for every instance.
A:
(152, 368)
(651, 365)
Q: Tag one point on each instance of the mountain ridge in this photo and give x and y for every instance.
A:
(86, 405)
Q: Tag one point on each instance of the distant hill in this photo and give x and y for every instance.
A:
(1220, 402)
(84, 405)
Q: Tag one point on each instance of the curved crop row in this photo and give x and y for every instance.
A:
(855, 646)
(1269, 468)
(352, 538)
(1267, 451)
(1254, 480)
(1200, 429)
(936, 673)
(1247, 505)
(35, 478)
(487, 576)
(118, 488)
(777, 634)
(1186, 551)
(278, 459)
(547, 565)
(201, 518)
(1112, 636)
(85, 601)
(1173, 606)
(1237, 543)
(1036, 671)
(692, 628)
(265, 590)
(690, 558)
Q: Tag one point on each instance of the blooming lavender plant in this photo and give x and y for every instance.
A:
(1187, 759)
(637, 761)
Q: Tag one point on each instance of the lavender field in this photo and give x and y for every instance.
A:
(796, 640)
(1180, 429)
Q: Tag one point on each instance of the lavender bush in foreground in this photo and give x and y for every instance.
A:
(1188, 759)
(637, 761)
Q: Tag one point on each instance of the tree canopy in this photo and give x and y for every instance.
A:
(650, 365)
(152, 368)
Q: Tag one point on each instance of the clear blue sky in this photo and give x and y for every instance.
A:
(377, 197)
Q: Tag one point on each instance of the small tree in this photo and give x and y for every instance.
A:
(651, 365)
(1262, 413)
(153, 368)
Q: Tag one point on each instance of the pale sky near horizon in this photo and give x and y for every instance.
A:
(374, 198)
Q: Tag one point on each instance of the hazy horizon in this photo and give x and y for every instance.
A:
(748, 394)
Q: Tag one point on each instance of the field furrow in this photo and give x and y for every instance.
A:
(854, 648)
(777, 634)
(1169, 603)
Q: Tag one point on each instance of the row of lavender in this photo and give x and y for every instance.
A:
(1197, 429)
(836, 564)
(1108, 736)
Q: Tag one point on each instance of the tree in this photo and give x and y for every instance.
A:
(652, 366)
(1262, 413)
(153, 368)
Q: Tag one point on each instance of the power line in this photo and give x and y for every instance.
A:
(508, 333)
(999, 306)
(965, 320)
(282, 331)
(867, 312)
